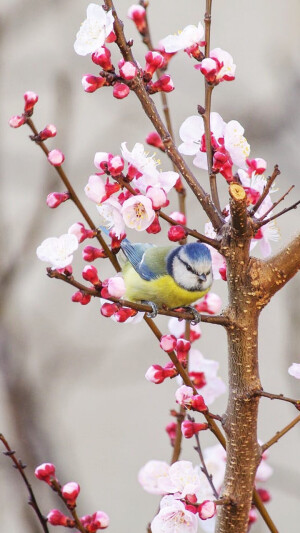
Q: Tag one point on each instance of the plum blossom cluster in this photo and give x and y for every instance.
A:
(95, 33)
(187, 496)
(138, 207)
(69, 493)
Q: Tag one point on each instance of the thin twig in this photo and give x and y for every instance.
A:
(267, 220)
(20, 467)
(277, 397)
(276, 203)
(208, 476)
(57, 488)
(265, 192)
(280, 434)
(76, 200)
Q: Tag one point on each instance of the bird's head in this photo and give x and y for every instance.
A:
(190, 266)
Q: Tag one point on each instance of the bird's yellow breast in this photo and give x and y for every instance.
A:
(160, 291)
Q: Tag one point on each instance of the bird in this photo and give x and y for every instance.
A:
(166, 276)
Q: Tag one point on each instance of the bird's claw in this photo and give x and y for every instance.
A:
(195, 313)
(154, 307)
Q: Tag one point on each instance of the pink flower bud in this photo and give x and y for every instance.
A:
(155, 227)
(208, 68)
(176, 233)
(265, 496)
(154, 60)
(101, 161)
(179, 185)
(198, 379)
(171, 430)
(183, 345)
(56, 158)
(252, 516)
(54, 199)
(223, 272)
(207, 509)
(191, 498)
(70, 492)
(178, 217)
(100, 520)
(211, 304)
(192, 508)
(137, 13)
(128, 70)
(56, 518)
(115, 165)
(90, 274)
(124, 313)
(95, 189)
(102, 58)
(198, 404)
(109, 309)
(45, 472)
(189, 429)
(91, 83)
(157, 374)
(258, 165)
(89, 253)
(168, 343)
(49, 131)
(31, 99)
(67, 270)
(184, 395)
(116, 287)
(81, 232)
(81, 297)
(120, 90)
(155, 140)
(157, 196)
(163, 84)
(16, 121)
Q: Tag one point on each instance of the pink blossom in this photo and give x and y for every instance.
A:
(116, 286)
(183, 395)
(218, 67)
(54, 199)
(58, 251)
(179, 217)
(138, 212)
(101, 161)
(211, 304)
(92, 523)
(111, 216)
(294, 370)
(157, 374)
(176, 233)
(152, 474)
(168, 343)
(183, 478)
(16, 121)
(154, 61)
(56, 518)
(45, 472)
(157, 196)
(91, 83)
(127, 69)
(137, 13)
(93, 32)
(173, 517)
(207, 509)
(102, 57)
(115, 165)
(31, 99)
(49, 131)
(90, 274)
(70, 492)
(120, 90)
(81, 233)
(163, 84)
(189, 36)
(214, 385)
(95, 189)
(189, 429)
(56, 158)
(155, 140)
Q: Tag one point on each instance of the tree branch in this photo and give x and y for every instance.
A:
(149, 107)
(280, 434)
(268, 186)
(271, 396)
(278, 270)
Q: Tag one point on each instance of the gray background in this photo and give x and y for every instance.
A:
(72, 387)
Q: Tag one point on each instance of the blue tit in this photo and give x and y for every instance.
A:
(166, 275)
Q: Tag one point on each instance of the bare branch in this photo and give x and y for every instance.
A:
(271, 396)
(271, 179)
(286, 210)
(276, 203)
(280, 434)
(279, 269)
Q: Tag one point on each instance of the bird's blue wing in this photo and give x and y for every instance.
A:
(135, 254)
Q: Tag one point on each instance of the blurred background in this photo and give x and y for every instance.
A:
(72, 386)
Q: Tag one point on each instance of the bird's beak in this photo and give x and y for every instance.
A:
(202, 277)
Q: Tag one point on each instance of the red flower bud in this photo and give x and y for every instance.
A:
(102, 58)
(70, 493)
(45, 472)
(54, 199)
(120, 90)
(189, 429)
(89, 253)
(176, 233)
(56, 518)
(90, 274)
(155, 140)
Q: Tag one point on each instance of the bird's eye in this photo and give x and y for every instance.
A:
(189, 268)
